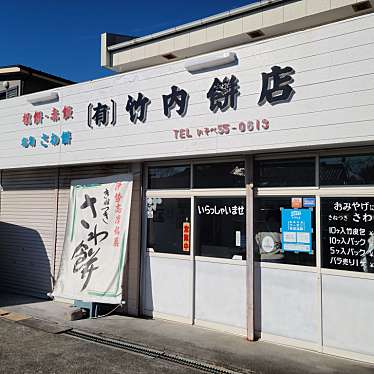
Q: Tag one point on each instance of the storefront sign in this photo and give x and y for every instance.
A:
(55, 115)
(297, 230)
(221, 210)
(222, 95)
(46, 139)
(223, 129)
(348, 233)
(95, 240)
(186, 237)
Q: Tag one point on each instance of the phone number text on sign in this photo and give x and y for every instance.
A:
(222, 129)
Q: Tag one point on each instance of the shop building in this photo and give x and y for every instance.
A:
(251, 149)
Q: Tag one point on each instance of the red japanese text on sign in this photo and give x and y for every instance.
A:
(27, 119)
(118, 211)
(55, 115)
(186, 237)
(67, 112)
(38, 117)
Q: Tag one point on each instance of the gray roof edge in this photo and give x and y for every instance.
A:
(39, 72)
(195, 24)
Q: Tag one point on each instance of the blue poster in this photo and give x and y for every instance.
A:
(297, 230)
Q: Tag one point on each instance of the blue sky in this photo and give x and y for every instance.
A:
(62, 37)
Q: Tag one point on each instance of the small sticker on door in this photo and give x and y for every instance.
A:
(296, 202)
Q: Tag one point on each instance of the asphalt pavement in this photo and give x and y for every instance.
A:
(25, 349)
(29, 351)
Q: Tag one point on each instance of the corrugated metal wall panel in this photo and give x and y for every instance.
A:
(27, 230)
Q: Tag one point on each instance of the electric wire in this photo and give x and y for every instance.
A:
(107, 314)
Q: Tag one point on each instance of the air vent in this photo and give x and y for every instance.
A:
(12, 92)
(169, 56)
(256, 34)
(363, 5)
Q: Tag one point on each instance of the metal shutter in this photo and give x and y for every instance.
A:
(67, 174)
(33, 215)
(27, 230)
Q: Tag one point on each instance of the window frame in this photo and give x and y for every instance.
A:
(166, 166)
(317, 154)
(226, 161)
(166, 254)
(319, 192)
(188, 193)
(289, 157)
(315, 227)
(207, 258)
(334, 155)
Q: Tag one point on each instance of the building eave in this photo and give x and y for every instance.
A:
(224, 16)
(254, 22)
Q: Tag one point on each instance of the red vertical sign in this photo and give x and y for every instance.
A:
(186, 237)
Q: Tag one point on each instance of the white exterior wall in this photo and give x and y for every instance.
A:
(167, 286)
(220, 290)
(333, 104)
(288, 305)
(350, 318)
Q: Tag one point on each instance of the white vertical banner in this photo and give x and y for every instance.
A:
(96, 240)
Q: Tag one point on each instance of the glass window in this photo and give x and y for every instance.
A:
(285, 173)
(346, 170)
(219, 175)
(167, 177)
(220, 227)
(169, 225)
(274, 216)
(347, 237)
